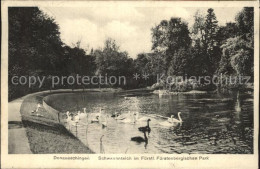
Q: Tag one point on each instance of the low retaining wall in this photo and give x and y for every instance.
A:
(55, 113)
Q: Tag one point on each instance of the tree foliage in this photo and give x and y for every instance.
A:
(35, 48)
(168, 37)
(238, 51)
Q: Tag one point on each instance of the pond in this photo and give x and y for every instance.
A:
(212, 123)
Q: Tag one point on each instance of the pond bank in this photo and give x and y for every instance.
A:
(165, 92)
(45, 134)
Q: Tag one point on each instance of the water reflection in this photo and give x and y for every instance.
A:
(211, 123)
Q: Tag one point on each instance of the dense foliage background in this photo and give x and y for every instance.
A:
(35, 48)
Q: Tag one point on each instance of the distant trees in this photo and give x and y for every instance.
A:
(35, 48)
(238, 50)
(111, 61)
(168, 38)
(34, 41)
(207, 50)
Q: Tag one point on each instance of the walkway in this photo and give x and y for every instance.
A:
(17, 138)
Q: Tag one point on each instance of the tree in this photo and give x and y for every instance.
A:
(111, 61)
(34, 44)
(211, 47)
(230, 30)
(245, 21)
(197, 32)
(238, 51)
(168, 37)
(179, 63)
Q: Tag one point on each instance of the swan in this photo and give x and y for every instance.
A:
(170, 118)
(68, 114)
(130, 119)
(100, 112)
(84, 114)
(77, 118)
(104, 122)
(97, 116)
(173, 120)
(145, 128)
(123, 116)
(68, 119)
(141, 118)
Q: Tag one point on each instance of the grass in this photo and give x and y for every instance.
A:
(45, 134)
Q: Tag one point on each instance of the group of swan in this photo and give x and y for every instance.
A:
(133, 117)
(83, 117)
(170, 122)
(130, 117)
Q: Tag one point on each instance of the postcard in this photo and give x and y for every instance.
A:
(129, 84)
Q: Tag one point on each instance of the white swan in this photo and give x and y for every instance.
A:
(83, 115)
(141, 118)
(97, 116)
(104, 121)
(173, 120)
(77, 117)
(130, 119)
(68, 114)
(170, 119)
(68, 119)
(123, 116)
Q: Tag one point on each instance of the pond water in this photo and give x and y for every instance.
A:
(212, 123)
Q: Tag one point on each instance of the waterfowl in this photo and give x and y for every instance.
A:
(145, 128)
(96, 116)
(141, 118)
(129, 119)
(123, 116)
(99, 113)
(77, 117)
(83, 114)
(170, 118)
(173, 120)
(68, 119)
(68, 114)
(104, 122)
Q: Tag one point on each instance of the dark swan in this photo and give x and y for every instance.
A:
(145, 128)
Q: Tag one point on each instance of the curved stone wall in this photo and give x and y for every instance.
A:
(55, 113)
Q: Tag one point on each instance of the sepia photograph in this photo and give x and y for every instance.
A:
(131, 79)
(177, 80)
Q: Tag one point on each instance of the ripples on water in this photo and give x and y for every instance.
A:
(211, 123)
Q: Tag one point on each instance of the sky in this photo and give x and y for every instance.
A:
(130, 27)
